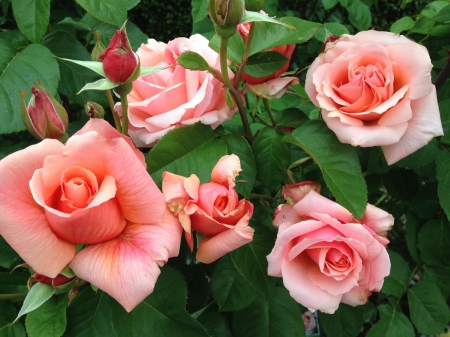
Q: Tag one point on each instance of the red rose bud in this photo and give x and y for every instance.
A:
(56, 282)
(226, 15)
(44, 117)
(94, 110)
(119, 61)
(293, 193)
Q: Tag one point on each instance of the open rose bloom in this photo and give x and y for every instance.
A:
(374, 89)
(325, 256)
(212, 209)
(175, 96)
(93, 191)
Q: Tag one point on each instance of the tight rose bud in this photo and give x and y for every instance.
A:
(44, 117)
(98, 49)
(57, 282)
(254, 5)
(119, 61)
(94, 110)
(226, 14)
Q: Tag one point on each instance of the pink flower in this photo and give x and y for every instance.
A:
(95, 191)
(374, 89)
(272, 86)
(175, 96)
(212, 209)
(326, 256)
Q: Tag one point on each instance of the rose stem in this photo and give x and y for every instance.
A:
(269, 111)
(11, 296)
(111, 106)
(233, 92)
(442, 76)
(248, 41)
(124, 101)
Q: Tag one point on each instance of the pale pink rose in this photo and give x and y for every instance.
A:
(94, 190)
(175, 96)
(325, 256)
(374, 89)
(212, 209)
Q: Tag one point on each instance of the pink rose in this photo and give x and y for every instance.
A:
(326, 256)
(374, 89)
(175, 96)
(272, 86)
(94, 191)
(212, 209)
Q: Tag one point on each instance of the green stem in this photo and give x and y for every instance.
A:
(11, 296)
(242, 113)
(248, 41)
(269, 111)
(124, 101)
(442, 76)
(111, 106)
(224, 61)
(261, 196)
(413, 273)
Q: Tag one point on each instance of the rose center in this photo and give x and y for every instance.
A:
(336, 261)
(221, 202)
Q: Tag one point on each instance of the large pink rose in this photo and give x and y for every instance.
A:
(175, 96)
(326, 256)
(212, 209)
(94, 191)
(374, 89)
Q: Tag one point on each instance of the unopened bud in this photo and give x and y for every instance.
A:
(44, 117)
(226, 14)
(58, 282)
(98, 49)
(120, 64)
(254, 5)
(94, 110)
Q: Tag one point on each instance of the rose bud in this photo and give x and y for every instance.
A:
(226, 15)
(94, 110)
(56, 283)
(98, 49)
(293, 193)
(119, 61)
(254, 5)
(44, 117)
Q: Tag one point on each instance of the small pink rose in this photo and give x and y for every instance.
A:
(176, 96)
(374, 89)
(94, 190)
(326, 256)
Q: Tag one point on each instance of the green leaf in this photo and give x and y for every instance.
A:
(433, 8)
(18, 72)
(405, 23)
(73, 76)
(330, 28)
(215, 323)
(14, 283)
(439, 276)
(397, 282)
(272, 157)
(443, 15)
(192, 60)
(265, 63)
(229, 288)
(291, 117)
(428, 309)
(433, 241)
(425, 203)
(345, 322)
(32, 17)
(7, 315)
(38, 295)
(49, 320)
(8, 256)
(423, 26)
(251, 262)
(199, 10)
(93, 65)
(187, 150)
(168, 317)
(267, 35)
(421, 157)
(413, 224)
(258, 17)
(235, 48)
(391, 324)
(328, 4)
(101, 84)
(280, 316)
(240, 147)
(339, 164)
(113, 12)
(151, 70)
(443, 177)
(359, 15)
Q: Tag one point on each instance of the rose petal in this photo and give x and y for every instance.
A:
(274, 88)
(356, 296)
(23, 223)
(226, 170)
(378, 220)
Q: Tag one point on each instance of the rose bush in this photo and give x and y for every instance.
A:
(212, 209)
(93, 191)
(374, 88)
(326, 256)
(175, 96)
(272, 86)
